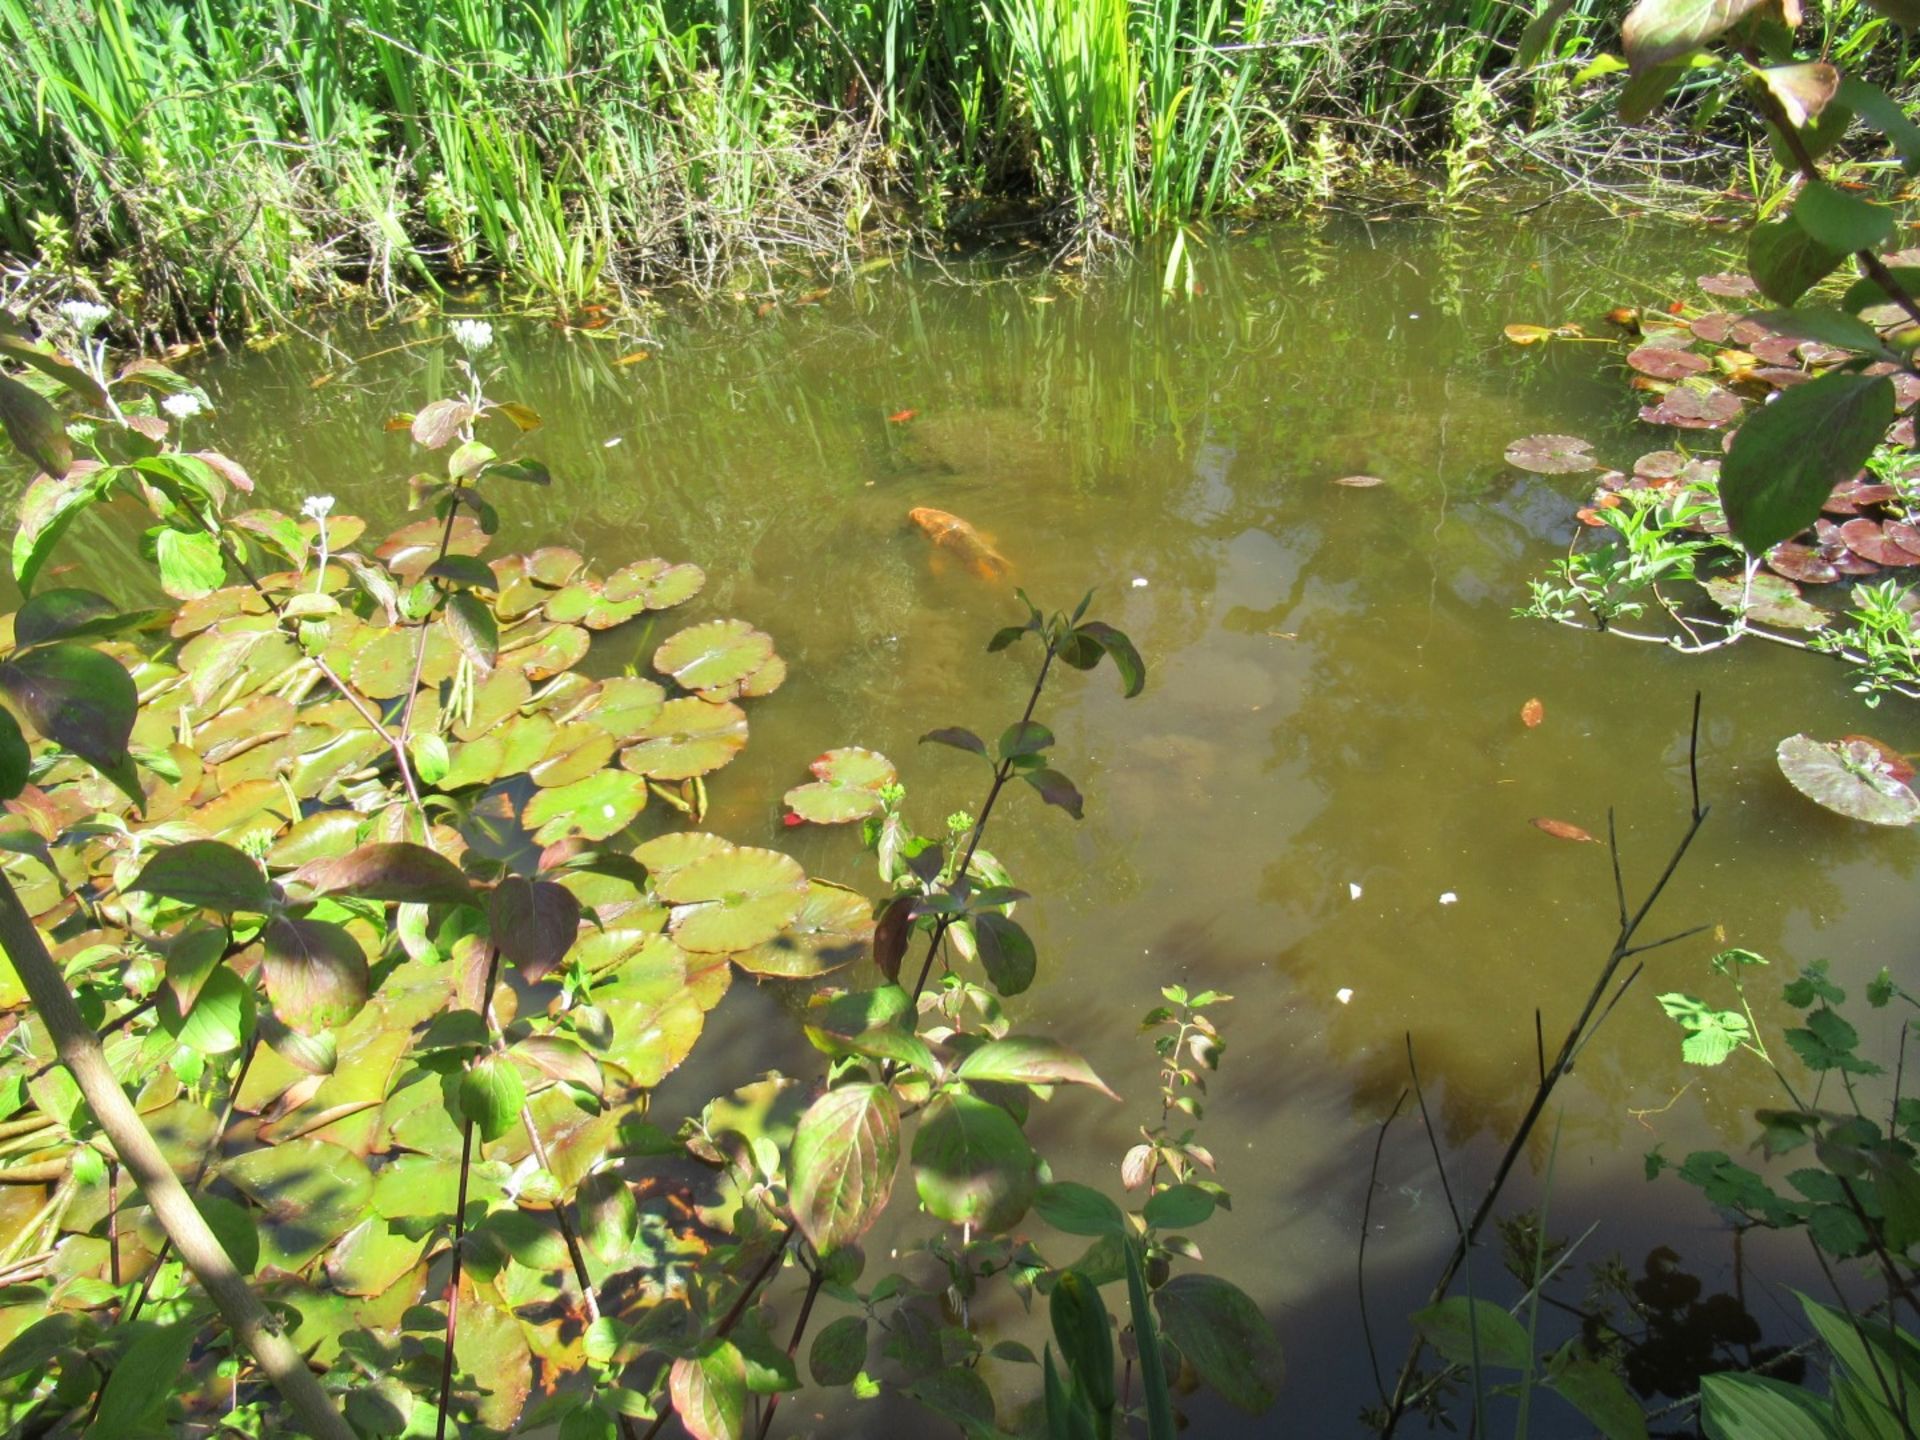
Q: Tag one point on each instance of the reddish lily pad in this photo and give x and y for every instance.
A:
(1715, 327)
(734, 900)
(834, 928)
(1728, 285)
(848, 788)
(1660, 465)
(1552, 454)
(1664, 362)
(689, 737)
(1868, 540)
(1774, 600)
(1694, 404)
(1904, 534)
(714, 656)
(1848, 777)
(1802, 563)
(1898, 765)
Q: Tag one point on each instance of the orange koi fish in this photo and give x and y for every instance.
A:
(950, 532)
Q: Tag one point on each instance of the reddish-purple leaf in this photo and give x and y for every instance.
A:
(534, 923)
(890, 936)
(398, 870)
(316, 973)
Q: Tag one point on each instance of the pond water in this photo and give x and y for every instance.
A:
(1321, 802)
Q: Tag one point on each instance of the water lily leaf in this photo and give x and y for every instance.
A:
(623, 705)
(396, 870)
(656, 1017)
(206, 873)
(372, 1257)
(411, 549)
(1551, 454)
(1870, 541)
(597, 807)
(655, 583)
(547, 651)
(734, 900)
(497, 698)
(312, 1191)
(715, 655)
(762, 682)
(845, 1153)
(1666, 362)
(1801, 562)
(1224, 1336)
(848, 789)
(689, 737)
(1774, 600)
(316, 973)
(972, 1165)
(1521, 334)
(1696, 403)
(534, 923)
(664, 854)
(1849, 778)
(833, 928)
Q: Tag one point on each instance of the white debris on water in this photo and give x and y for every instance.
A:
(1449, 898)
(1344, 994)
(1353, 889)
(1139, 582)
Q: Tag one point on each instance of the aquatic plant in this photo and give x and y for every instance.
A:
(342, 895)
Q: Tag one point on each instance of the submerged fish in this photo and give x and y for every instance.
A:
(950, 532)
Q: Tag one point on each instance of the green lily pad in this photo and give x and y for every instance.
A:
(312, 1193)
(656, 1021)
(764, 681)
(570, 605)
(655, 583)
(554, 565)
(688, 737)
(545, 651)
(576, 751)
(713, 656)
(834, 928)
(384, 667)
(1775, 601)
(371, 1257)
(623, 706)
(1848, 777)
(734, 900)
(848, 788)
(599, 806)
(678, 849)
(495, 699)
(524, 742)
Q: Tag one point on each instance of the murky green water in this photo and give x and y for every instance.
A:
(1330, 741)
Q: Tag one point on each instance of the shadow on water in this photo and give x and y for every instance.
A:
(1329, 746)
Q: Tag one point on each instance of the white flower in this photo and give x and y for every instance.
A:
(183, 406)
(473, 336)
(317, 507)
(84, 315)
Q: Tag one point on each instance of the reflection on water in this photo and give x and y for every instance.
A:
(1330, 741)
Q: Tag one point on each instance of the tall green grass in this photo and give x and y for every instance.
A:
(227, 160)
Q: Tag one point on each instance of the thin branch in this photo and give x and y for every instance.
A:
(1366, 1219)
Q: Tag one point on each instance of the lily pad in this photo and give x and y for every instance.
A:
(576, 751)
(599, 806)
(1802, 563)
(1774, 600)
(554, 565)
(1728, 285)
(623, 705)
(312, 1193)
(1868, 540)
(689, 737)
(1848, 777)
(409, 550)
(546, 651)
(655, 583)
(678, 849)
(764, 681)
(734, 900)
(834, 928)
(372, 1257)
(1695, 404)
(1552, 454)
(1666, 362)
(714, 656)
(848, 788)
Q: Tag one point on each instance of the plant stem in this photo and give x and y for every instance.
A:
(793, 1345)
(460, 1223)
(80, 1051)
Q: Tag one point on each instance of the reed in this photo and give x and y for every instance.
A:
(227, 160)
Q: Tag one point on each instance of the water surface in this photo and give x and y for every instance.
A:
(1321, 802)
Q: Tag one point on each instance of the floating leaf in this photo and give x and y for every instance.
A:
(1359, 482)
(1551, 454)
(1696, 403)
(688, 737)
(1848, 777)
(1666, 362)
(655, 583)
(833, 928)
(1897, 764)
(1527, 334)
(1532, 713)
(1869, 540)
(1561, 829)
(848, 788)
(597, 807)
(1772, 600)
(1802, 563)
(714, 656)
(845, 1152)
(733, 900)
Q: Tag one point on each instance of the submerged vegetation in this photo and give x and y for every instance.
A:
(229, 160)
